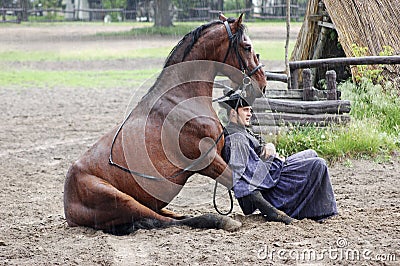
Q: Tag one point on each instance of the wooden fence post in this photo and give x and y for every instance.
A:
(293, 82)
(330, 78)
(309, 93)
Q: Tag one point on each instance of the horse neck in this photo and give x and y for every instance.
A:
(185, 80)
(195, 67)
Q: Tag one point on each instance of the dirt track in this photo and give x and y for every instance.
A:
(43, 130)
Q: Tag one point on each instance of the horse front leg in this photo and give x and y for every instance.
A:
(219, 170)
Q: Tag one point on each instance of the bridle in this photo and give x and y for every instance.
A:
(247, 73)
(246, 83)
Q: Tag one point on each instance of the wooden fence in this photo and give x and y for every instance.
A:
(295, 66)
(15, 13)
(58, 14)
(93, 14)
(308, 106)
(256, 12)
(301, 107)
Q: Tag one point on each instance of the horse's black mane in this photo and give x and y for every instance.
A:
(193, 36)
(189, 40)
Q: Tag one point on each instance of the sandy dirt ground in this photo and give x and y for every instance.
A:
(42, 131)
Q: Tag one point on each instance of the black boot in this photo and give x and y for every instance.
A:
(270, 213)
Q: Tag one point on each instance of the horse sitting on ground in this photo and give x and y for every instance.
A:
(124, 181)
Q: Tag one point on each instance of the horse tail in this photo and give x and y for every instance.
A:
(205, 221)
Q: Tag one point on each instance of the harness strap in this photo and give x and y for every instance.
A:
(228, 30)
(243, 67)
(230, 36)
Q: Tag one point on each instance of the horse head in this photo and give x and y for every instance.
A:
(239, 53)
(223, 41)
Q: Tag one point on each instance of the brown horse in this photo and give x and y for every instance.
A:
(131, 173)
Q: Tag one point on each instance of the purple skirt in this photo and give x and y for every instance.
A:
(304, 189)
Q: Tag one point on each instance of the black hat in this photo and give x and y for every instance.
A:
(234, 101)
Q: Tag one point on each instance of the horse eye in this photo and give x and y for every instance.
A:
(247, 48)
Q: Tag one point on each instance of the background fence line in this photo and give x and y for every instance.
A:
(11, 14)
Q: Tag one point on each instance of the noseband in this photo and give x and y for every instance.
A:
(242, 65)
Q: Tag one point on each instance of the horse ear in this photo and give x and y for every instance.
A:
(239, 20)
(222, 17)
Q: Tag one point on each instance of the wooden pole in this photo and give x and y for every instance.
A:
(287, 43)
(364, 60)
(308, 90)
(276, 76)
(294, 79)
(321, 41)
(301, 107)
(330, 78)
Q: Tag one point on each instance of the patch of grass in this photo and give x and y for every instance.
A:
(84, 55)
(358, 139)
(147, 29)
(22, 56)
(373, 132)
(272, 50)
(180, 28)
(269, 50)
(75, 79)
(272, 23)
(373, 101)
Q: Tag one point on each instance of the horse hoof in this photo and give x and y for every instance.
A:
(212, 221)
(229, 224)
